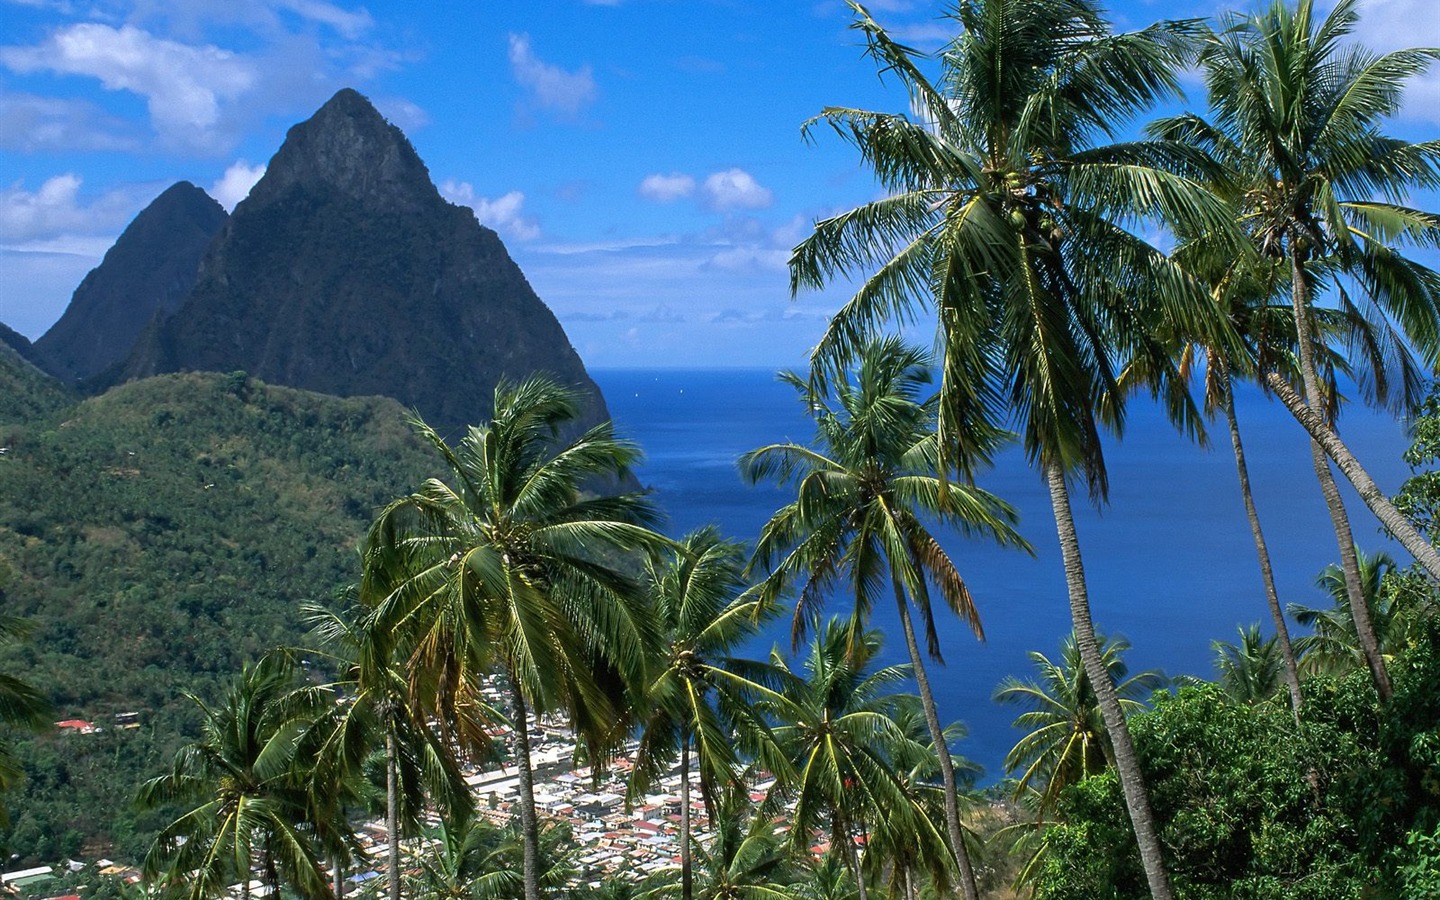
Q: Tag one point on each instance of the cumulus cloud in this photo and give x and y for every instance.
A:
(667, 188)
(52, 209)
(736, 189)
(550, 86)
(184, 85)
(236, 183)
(504, 214)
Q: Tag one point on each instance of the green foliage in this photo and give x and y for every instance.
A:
(26, 393)
(1251, 805)
(1419, 497)
(159, 536)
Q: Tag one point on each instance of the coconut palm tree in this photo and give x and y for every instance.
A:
(470, 858)
(1066, 739)
(1333, 647)
(837, 728)
(744, 860)
(866, 488)
(1252, 670)
(1012, 222)
(1296, 116)
(700, 698)
(895, 850)
(377, 712)
(21, 706)
(511, 564)
(243, 782)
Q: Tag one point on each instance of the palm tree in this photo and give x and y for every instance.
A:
(745, 859)
(470, 858)
(1066, 739)
(1252, 670)
(700, 698)
(512, 565)
(1009, 221)
(865, 490)
(894, 848)
(244, 783)
(1333, 647)
(1296, 117)
(419, 768)
(21, 706)
(837, 728)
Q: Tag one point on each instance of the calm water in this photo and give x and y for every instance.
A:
(1170, 562)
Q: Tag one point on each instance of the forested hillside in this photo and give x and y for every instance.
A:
(157, 537)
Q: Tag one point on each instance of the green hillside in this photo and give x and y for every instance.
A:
(25, 392)
(158, 536)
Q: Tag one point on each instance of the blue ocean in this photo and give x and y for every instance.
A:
(1169, 560)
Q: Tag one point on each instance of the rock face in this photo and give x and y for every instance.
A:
(148, 273)
(345, 272)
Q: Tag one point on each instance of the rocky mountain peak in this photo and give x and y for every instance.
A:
(147, 273)
(345, 272)
(348, 148)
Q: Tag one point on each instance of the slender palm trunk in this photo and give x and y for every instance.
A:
(529, 827)
(1359, 610)
(1127, 764)
(841, 832)
(392, 811)
(1350, 567)
(1394, 521)
(942, 750)
(687, 887)
(337, 878)
(1267, 575)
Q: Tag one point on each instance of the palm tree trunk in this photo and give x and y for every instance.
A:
(529, 827)
(392, 811)
(1267, 575)
(1350, 565)
(852, 859)
(686, 876)
(1127, 764)
(1394, 521)
(942, 750)
(337, 878)
(1305, 334)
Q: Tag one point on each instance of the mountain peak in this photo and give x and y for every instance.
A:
(345, 272)
(346, 147)
(148, 272)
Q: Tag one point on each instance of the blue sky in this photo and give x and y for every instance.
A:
(641, 159)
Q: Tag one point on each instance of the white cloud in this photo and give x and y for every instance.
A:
(502, 214)
(551, 86)
(56, 208)
(667, 188)
(751, 259)
(346, 23)
(236, 183)
(35, 124)
(736, 189)
(1387, 25)
(183, 85)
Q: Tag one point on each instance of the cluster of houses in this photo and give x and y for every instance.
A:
(612, 836)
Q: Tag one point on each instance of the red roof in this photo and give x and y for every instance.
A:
(75, 723)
